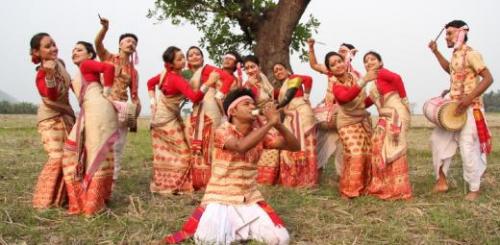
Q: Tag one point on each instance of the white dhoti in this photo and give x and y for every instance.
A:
(224, 224)
(118, 149)
(444, 146)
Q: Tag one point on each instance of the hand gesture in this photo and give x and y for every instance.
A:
(371, 75)
(433, 46)
(49, 67)
(463, 104)
(252, 81)
(104, 23)
(271, 113)
(212, 78)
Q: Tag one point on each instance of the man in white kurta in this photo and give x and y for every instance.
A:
(469, 78)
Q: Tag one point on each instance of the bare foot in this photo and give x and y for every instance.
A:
(440, 187)
(472, 196)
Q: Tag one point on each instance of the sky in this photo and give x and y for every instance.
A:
(398, 30)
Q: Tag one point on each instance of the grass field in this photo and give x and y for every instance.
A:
(316, 216)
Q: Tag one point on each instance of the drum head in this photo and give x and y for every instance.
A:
(449, 120)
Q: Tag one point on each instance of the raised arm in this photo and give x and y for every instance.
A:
(288, 141)
(312, 58)
(102, 52)
(45, 81)
(107, 70)
(180, 84)
(248, 142)
(445, 64)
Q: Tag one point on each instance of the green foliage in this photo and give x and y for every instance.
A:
(224, 24)
(300, 35)
(17, 108)
(492, 101)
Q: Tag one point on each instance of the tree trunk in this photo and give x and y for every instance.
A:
(273, 35)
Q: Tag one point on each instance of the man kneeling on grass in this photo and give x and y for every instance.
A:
(232, 208)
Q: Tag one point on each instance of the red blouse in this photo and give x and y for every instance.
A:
(226, 78)
(389, 81)
(44, 91)
(344, 94)
(174, 84)
(91, 72)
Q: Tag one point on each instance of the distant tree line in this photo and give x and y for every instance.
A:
(17, 108)
(492, 101)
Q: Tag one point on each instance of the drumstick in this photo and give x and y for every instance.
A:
(441, 32)
(98, 15)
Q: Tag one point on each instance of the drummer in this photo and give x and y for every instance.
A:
(469, 79)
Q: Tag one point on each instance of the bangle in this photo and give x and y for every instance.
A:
(405, 101)
(106, 91)
(219, 95)
(204, 88)
(50, 83)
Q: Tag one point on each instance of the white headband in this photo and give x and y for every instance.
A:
(236, 102)
(230, 56)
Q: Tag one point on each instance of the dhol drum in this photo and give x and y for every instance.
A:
(441, 112)
(127, 114)
(326, 116)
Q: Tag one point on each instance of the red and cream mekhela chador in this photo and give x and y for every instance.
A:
(389, 178)
(268, 165)
(55, 118)
(88, 153)
(172, 164)
(206, 117)
(354, 127)
(232, 208)
(474, 139)
(126, 80)
(328, 138)
(299, 169)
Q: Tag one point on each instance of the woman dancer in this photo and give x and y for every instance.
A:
(268, 165)
(389, 169)
(88, 154)
(171, 154)
(297, 169)
(206, 116)
(55, 119)
(353, 124)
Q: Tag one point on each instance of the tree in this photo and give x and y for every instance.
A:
(270, 29)
(492, 101)
(17, 108)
